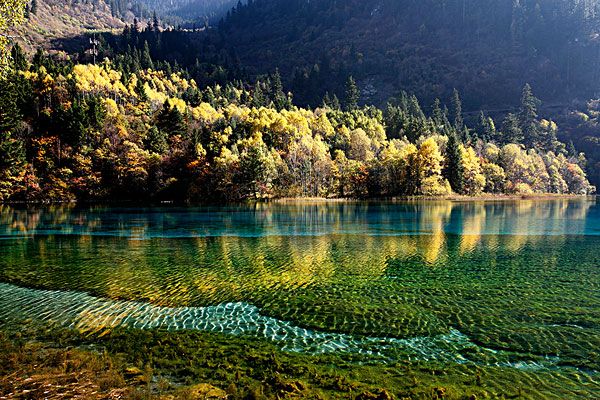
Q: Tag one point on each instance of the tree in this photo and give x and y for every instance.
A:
(429, 169)
(335, 103)
(257, 167)
(528, 116)
(457, 111)
(156, 141)
(170, 120)
(511, 130)
(437, 115)
(352, 94)
(12, 13)
(486, 129)
(473, 179)
(155, 23)
(140, 90)
(34, 6)
(146, 60)
(19, 58)
(258, 96)
(454, 170)
(278, 96)
(12, 152)
(360, 146)
(75, 124)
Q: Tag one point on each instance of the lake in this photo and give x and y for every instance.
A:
(509, 286)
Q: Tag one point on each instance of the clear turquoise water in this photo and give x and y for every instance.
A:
(512, 283)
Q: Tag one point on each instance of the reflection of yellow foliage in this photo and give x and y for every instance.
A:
(229, 268)
(473, 223)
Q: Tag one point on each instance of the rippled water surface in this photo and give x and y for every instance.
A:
(512, 283)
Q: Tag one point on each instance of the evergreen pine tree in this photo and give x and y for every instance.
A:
(140, 90)
(486, 129)
(352, 94)
(466, 135)
(414, 108)
(511, 130)
(571, 151)
(170, 120)
(10, 115)
(335, 103)
(19, 58)
(156, 141)
(326, 100)
(146, 60)
(528, 116)
(277, 94)
(258, 97)
(457, 111)
(34, 6)
(454, 170)
(437, 115)
(75, 124)
(95, 112)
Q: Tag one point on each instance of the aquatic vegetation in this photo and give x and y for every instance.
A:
(398, 299)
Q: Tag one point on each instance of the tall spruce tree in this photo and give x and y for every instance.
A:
(454, 170)
(277, 94)
(156, 141)
(528, 117)
(352, 94)
(170, 120)
(511, 130)
(457, 111)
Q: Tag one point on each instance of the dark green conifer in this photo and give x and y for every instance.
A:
(352, 94)
(454, 170)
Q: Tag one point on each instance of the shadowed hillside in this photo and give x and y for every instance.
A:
(486, 48)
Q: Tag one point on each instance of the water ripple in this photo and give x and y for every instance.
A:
(95, 315)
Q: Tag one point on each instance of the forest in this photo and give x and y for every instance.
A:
(123, 130)
(161, 113)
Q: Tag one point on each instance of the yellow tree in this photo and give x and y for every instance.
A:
(429, 161)
(473, 177)
(12, 13)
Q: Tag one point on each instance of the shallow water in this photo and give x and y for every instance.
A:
(512, 283)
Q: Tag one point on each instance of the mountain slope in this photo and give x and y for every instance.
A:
(186, 11)
(53, 23)
(486, 48)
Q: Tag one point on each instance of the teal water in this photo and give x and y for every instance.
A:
(511, 283)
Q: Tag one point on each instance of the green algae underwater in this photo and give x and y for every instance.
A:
(423, 299)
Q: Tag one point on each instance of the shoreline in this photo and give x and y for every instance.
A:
(456, 198)
(398, 199)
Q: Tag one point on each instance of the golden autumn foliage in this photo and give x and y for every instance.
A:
(136, 136)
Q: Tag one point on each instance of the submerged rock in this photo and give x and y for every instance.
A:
(205, 391)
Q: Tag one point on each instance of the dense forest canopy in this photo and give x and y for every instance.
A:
(128, 131)
(187, 12)
(485, 48)
(304, 98)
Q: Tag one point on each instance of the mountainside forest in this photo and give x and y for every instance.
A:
(487, 49)
(288, 98)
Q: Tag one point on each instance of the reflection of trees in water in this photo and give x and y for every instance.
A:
(469, 218)
(205, 270)
(463, 272)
